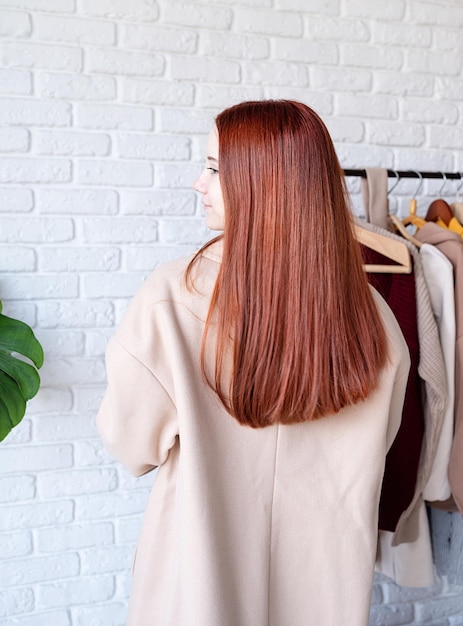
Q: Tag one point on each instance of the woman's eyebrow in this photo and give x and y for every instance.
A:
(209, 158)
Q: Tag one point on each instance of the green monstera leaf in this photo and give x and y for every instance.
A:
(19, 380)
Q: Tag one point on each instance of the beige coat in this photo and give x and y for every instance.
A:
(244, 527)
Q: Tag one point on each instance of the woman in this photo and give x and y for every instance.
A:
(265, 378)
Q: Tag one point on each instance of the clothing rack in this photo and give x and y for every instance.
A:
(409, 174)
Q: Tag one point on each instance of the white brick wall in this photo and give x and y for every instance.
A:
(104, 109)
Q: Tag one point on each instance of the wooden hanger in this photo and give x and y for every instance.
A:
(457, 206)
(412, 217)
(388, 247)
(399, 226)
(403, 231)
(439, 209)
(457, 210)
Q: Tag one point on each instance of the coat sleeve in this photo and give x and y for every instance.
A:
(137, 419)
(397, 400)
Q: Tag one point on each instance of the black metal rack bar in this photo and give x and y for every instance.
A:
(409, 174)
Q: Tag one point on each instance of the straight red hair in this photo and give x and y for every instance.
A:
(296, 332)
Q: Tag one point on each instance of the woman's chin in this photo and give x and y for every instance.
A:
(214, 223)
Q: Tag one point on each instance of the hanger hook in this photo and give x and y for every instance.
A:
(396, 182)
(459, 186)
(420, 184)
(443, 184)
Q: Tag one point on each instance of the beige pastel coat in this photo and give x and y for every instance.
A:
(244, 527)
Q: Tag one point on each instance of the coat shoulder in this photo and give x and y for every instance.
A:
(168, 281)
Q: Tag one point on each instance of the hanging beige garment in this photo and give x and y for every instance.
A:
(374, 194)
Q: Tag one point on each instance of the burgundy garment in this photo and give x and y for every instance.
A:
(403, 457)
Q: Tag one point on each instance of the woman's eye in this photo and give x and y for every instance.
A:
(213, 170)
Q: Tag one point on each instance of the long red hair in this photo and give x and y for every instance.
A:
(297, 334)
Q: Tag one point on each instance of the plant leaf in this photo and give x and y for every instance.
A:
(12, 398)
(19, 381)
(5, 422)
(12, 405)
(16, 336)
(25, 375)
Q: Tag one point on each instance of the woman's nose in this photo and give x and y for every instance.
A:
(199, 184)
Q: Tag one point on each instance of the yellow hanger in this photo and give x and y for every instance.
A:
(412, 217)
